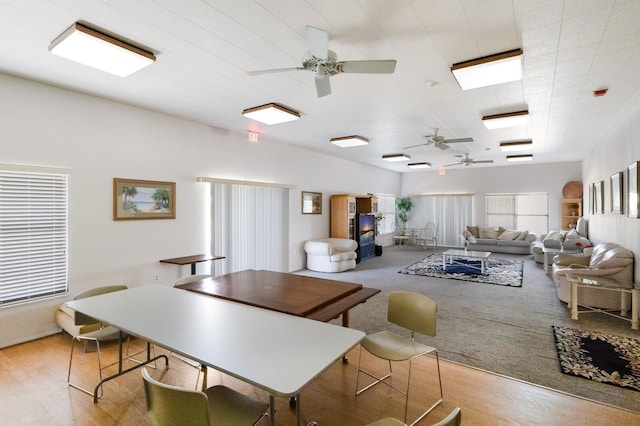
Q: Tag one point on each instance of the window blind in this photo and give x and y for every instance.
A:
(33, 235)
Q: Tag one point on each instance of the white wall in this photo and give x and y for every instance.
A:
(99, 139)
(549, 178)
(619, 149)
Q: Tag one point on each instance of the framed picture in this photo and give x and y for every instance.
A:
(598, 197)
(632, 190)
(311, 202)
(143, 199)
(616, 180)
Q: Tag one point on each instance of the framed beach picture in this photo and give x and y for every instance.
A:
(616, 180)
(311, 202)
(143, 199)
(632, 190)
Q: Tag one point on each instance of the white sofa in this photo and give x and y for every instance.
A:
(607, 260)
(331, 254)
(500, 240)
(555, 239)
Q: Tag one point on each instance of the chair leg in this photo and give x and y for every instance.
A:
(373, 376)
(73, 385)
(406, 406)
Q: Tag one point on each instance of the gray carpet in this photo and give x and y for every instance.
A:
(496, 328)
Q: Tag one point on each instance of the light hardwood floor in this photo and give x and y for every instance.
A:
(33, 390)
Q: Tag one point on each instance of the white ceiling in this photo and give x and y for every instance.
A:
(204, 47)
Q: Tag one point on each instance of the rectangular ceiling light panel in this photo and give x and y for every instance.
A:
(92, 48)
(516, 146)
(349, 141)
(396, 157)
(271, 114)
(489, 70)
(517, 158)
(511, 119)
(419, 165)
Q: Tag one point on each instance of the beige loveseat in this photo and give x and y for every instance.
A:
(607, 260)
(331, 254)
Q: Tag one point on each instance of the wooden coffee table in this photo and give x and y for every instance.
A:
(450, 255)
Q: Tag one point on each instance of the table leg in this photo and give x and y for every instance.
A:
(545, 262)
(193, 268)
(634, 309)
(272, 411)
(624, 298)
(574, 301)
(444, 262)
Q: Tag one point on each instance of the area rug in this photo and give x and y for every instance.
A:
(599, 357)
(498, 271)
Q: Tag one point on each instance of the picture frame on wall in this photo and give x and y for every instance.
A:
(633, 204)
(143, 199)
(598, 195)
(616, 181)
(311, 202)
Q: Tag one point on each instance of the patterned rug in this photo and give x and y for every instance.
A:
(599, 357)
(498, 271)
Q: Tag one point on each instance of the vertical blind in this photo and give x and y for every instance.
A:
(451, 213)
(33, 236)
(249, 227)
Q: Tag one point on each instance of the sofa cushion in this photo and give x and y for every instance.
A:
(509, 234)
(486, 241)
(474, 231)
(488, 232)
(513, 243)
(522, 235)
(571, 259)
(345, 255)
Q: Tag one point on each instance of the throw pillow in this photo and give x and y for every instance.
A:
(488, 232)
(522, 236)
(474, 231)
(570, 259)
(500, 230)
(572, 235)
(509, 234)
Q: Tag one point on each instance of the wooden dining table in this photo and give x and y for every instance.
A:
(310, 297)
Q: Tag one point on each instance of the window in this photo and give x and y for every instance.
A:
(387, 208)
(518, 211)
(451, 213)
(33, 235)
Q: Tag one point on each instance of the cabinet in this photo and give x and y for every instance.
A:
(345, 208)
(571, 211)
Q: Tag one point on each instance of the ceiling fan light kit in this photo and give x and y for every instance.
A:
(349, 141)
(489, 70)
(516, 146)
(87, 46)
(396, 157)
(518, 158)
(510, 119)
(423, 165)
(271, 114)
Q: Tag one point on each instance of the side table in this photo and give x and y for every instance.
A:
(581, 281)
(191, 260)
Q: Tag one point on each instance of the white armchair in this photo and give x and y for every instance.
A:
(331, 254)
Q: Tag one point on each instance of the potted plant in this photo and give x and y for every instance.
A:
(378, 246)
(403, 207)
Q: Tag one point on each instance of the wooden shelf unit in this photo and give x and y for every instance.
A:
(344, 208)
(570, 213)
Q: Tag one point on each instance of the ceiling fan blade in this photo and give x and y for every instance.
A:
(443, 146)
(420, 144)
(482, 161)
(260, 72)
(367, 67)
(453, 164)
(318, 42)
(323, 87)
(458, 140)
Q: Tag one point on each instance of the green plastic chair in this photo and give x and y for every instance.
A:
(453, 419)
(171, 405)
(416, 313)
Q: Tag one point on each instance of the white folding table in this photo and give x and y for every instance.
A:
(276, 352)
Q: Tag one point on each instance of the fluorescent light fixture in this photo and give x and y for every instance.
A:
(516, 158)
(271, 114)
(511, 119)
(396, 157)
(349, 141)
(419, 165)
(516, 146)
(95, 49)
(489, 70)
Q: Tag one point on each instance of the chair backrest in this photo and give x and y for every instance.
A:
(413, 311)
(453, 419)
(190, 278)
(82, 319)
(171, 405)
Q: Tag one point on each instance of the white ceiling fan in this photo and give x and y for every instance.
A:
(464, 159)
(439, 141)
(323, 62)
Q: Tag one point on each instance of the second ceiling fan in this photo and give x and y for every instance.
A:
(439, 141)
(323, 62)
(467, 161)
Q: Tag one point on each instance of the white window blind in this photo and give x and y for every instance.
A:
(451, 213)
(386, 207)
(33, 236)
(518, 211)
